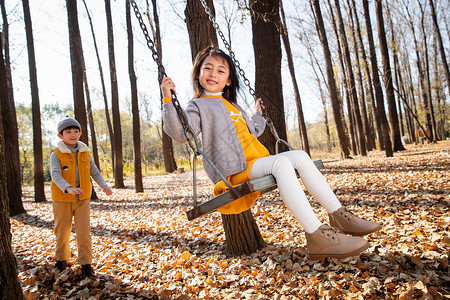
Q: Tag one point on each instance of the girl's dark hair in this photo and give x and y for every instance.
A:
(229, 92)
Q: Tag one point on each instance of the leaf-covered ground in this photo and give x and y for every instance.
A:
(145, 248)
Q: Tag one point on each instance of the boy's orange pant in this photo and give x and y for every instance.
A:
(63, 213)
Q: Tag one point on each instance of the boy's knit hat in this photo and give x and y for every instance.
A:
(67, 122)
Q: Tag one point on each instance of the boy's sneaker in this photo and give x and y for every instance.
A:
(61, 265)
(87, 271)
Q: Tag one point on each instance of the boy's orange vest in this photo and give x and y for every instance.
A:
(68, 172)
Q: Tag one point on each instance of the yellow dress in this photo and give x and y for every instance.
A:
(253, 150)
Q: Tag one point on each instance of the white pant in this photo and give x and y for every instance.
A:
(282, 166)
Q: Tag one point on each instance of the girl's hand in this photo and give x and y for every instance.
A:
(259, 105)
(167, 85)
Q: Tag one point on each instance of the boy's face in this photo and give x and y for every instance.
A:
(70, 136)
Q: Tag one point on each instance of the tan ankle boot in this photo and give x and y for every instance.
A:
(329, 242)
(351, 224)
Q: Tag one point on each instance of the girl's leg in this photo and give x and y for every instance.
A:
(313, 180)
(316, 184)
(290, 189)
(321, 239)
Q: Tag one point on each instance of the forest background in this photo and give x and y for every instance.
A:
(55, 85)
(378, 69)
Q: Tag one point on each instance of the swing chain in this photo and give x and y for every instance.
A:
(242, 73)
(230, 51)
(162, 73)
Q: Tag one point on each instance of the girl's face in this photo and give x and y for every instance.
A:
(214, 73)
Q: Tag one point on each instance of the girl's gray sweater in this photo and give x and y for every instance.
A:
(211, 118)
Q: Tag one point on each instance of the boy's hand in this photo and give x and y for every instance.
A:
(74, 191)
(107, 190)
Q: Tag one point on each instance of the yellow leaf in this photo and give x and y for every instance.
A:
(417, 232)
(186, 255)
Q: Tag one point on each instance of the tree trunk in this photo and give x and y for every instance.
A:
(360, 136)
(369, 130)
(439, 94)
(79, 79)
(314, 61)
(430, 112)
(267, 48)
(139, 188)
(76, 54)
(383, 139)
(118, 155)
(37, 131)
(298, 100)
(201, 31)
(9, 282)
(440, 43)
(390, 97)
(238, 238)
(346, 96)
(242, 233)
(11, 132)
(332, 89)
(102, 79)
(169, 158)
(362, 97)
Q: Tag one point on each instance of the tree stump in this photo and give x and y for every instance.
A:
(242, 233)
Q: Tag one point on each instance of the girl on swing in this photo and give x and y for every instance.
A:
(229, 139)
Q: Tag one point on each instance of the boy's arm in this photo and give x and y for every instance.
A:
(55, 171)
(97, 176)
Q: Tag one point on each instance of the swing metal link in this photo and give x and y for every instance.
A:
(162, 73)
(188, 132)
(227, 45)
(252, 92)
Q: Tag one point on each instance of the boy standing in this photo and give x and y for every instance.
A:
(71, 169)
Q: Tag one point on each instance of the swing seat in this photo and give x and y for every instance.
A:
(264, 184)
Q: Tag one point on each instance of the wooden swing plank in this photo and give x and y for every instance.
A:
(263, 184)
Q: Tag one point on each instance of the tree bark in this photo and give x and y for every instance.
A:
(430, 111)
(241, 231)
(39, 194)
(10, 287)
(314, 61)
(390, 97)
(138, 186)
(360, 137)
(11, 132)
(169, 157)
(369, 130)
(384, 140)
(359, 78)
(102, 80)
(201, 31)
(118, 154)
(298, 100)
(345, 83)
(440, 43)
(332, 89)
(76, 54)
(267, 49)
